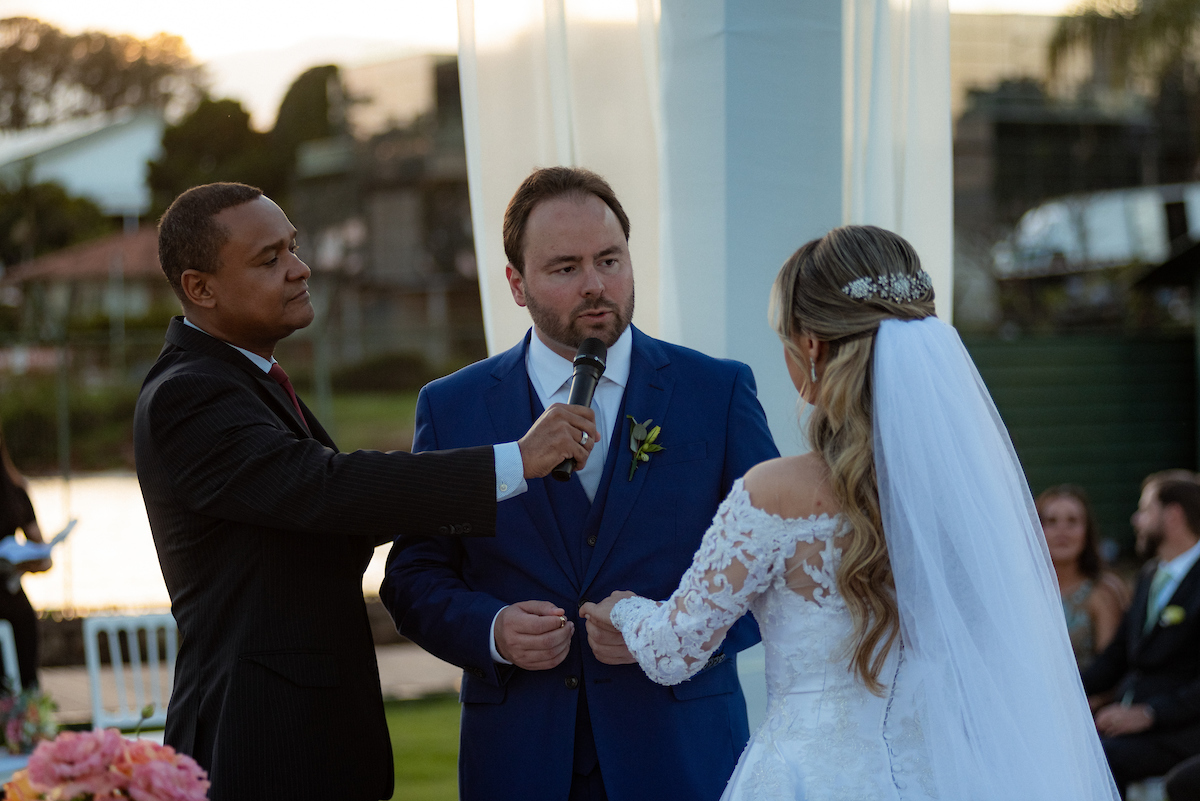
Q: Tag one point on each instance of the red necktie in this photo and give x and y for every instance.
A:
(281, 378)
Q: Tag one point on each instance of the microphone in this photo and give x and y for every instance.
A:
(589, 366)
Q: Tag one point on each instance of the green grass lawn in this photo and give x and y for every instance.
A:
(425, 744)
(374, 420)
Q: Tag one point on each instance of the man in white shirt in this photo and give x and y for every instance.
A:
(551, 710)
(1152, 666)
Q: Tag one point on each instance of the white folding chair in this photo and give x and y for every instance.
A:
(8, 650)
(140, 681)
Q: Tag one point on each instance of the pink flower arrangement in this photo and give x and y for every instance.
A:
(104, 766)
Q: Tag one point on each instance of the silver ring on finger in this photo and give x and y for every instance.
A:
(585, 439)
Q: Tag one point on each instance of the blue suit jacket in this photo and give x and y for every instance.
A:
(518, 726)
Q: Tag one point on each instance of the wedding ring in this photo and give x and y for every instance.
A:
(584, 440)
(562, 619)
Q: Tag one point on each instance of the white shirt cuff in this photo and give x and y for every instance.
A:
(510, 471)
(492, 641)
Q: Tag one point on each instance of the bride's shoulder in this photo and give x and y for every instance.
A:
(792, 487)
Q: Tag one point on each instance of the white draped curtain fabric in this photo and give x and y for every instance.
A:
(896, 156)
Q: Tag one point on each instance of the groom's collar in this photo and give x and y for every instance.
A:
(549, 371)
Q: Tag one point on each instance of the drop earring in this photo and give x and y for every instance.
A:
(812, 372)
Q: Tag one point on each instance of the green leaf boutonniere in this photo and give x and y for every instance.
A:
(641, 442)
(1172, 615)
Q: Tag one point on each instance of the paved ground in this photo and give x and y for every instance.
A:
(405, 671)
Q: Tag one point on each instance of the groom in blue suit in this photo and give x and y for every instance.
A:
(554, 709)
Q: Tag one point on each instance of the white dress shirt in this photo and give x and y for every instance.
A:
(1176, 569)
(550, 375)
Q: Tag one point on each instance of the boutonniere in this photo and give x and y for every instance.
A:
(1172, 615)
(641, 442)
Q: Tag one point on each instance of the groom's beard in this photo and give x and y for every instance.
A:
(572, 331)
(1147, 544)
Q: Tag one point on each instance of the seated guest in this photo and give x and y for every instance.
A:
(1093, 599)
(1153, 663)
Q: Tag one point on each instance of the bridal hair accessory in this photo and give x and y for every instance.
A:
(896, 288)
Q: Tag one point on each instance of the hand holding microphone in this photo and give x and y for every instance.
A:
(589, 366)
(567, 433)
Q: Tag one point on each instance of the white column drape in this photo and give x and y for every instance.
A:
(897, 128)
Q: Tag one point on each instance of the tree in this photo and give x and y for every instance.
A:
(1145, 47)
(1130, 40)
(120, 71)
(214, 143)
(41, 218)
(47, 75)
(312, 109)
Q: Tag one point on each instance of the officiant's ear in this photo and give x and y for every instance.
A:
(516, 283)
(196, 289)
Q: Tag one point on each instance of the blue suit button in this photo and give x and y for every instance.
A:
(572, 683)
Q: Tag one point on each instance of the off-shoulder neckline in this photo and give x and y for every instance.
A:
(824, 517)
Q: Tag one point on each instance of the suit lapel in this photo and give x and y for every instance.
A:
(282, 402)
(509, 405)
(647, 396)
(184, 336)
(1183, 593)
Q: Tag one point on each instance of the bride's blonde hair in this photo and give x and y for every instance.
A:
(815, 295)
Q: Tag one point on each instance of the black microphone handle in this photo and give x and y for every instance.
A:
(583, 387)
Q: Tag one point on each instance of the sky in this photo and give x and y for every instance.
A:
(255, 48)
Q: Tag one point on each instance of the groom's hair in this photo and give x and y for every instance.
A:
(1174, 474)
(1187, 495)
(546, 184)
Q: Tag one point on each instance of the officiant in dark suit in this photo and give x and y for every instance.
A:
(1153, 663)
(263, 529)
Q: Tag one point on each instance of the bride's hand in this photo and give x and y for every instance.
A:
(606, 642)
(602, 611)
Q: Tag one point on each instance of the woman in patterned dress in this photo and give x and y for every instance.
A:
(1093, 598)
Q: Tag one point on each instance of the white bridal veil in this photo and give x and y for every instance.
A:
(986, 661)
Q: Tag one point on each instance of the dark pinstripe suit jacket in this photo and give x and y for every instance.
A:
(263, 533)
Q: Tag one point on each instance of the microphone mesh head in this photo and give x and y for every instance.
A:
(592, 350)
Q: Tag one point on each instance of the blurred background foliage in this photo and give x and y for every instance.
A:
(47, 75)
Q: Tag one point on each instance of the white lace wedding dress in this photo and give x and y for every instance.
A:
(825, 735)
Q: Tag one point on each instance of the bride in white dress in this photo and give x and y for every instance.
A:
(915, 645)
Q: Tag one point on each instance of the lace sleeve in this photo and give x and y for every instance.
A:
(674, 639)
